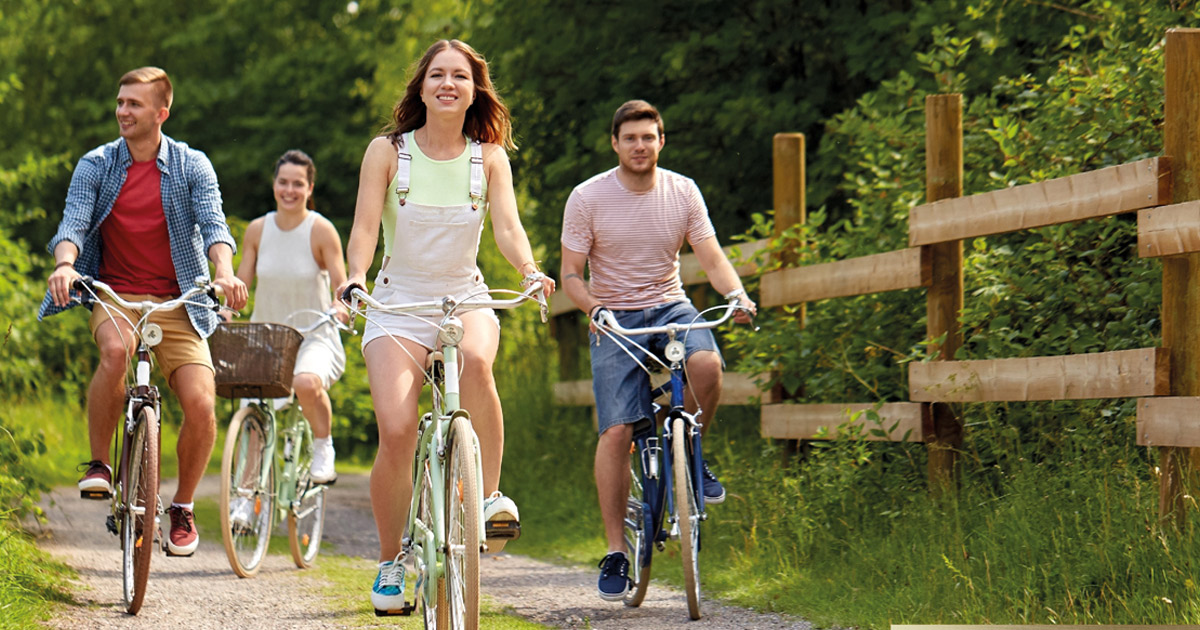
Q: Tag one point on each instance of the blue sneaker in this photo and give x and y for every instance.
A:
(714, 492)
(388, 591)
(614, 577)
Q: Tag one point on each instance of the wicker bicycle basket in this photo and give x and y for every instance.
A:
(254, 360)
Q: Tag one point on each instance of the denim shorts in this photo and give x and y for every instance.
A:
(621, 387)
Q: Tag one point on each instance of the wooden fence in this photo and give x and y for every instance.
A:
(1164, 191)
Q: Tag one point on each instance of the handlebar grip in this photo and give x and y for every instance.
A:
(347, 295)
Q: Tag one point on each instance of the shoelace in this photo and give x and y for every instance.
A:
(708, 473)
(179, 518)
(614, 564)
(393, 574)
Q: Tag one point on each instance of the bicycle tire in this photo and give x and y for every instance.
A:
(463, 500)
(434, 616)
(306, 521)
(687, 512)
(245, 449)
(140, 513)
(636, 543)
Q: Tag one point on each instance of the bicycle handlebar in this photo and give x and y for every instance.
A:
(448, 305)
(87, 286)
(609, 321)
(323, 317)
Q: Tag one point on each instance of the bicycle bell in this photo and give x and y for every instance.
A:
(451, 332)
(674, 351)
(152, 334)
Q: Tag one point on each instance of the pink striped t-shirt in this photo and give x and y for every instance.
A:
(632, 240)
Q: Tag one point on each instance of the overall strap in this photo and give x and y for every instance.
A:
(403, 169)
(476, 173)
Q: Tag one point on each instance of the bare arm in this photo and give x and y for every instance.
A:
(221, 255)
(573, 283)
(250, 242)
(378, 168)
(327, 247)
(506, 222)
(721, 274)
(59, 282)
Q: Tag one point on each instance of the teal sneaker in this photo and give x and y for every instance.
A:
(387, 594)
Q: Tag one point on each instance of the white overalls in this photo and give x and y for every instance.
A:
(434, 252)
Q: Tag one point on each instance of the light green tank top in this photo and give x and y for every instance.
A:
(434, 183)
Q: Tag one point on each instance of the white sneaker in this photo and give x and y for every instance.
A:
(502, 521)
(241, 514)
(322, 462)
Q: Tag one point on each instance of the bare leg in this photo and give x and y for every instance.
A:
(314, 402)
(704, 386)
(194, 387)
(395, 388)
(612, 482)
(479, 397)
(106, 393)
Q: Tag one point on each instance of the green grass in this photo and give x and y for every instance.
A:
(31, 584)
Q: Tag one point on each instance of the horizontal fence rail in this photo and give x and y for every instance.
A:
(1089, 195)
(1119, 374)
(898, 421)
(892, 271)
(738, 389)
(1169, 230)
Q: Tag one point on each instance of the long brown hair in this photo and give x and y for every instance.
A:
(488, 119)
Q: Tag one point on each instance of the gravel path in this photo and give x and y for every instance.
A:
(558, 596)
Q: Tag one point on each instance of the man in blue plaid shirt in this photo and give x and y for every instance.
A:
(141, 213)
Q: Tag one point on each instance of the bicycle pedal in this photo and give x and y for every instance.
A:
(506, 530)
(404, 611)
(95, 495)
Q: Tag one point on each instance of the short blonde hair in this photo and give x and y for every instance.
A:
(152, 75)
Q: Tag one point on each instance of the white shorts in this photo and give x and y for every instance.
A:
(316, 356)
(420, 329)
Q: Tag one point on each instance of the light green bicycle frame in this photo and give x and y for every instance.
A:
(428, 539)
(285, 464)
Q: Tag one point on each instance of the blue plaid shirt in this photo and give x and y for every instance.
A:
(191, 202)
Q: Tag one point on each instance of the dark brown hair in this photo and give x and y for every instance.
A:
(635, 110)
(488, 119)
(300, 158)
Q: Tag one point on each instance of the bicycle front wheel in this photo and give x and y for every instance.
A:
(688, 514)
(306, 518)
(139, 494)
(246, 502)
(432, 590)
(463, 500)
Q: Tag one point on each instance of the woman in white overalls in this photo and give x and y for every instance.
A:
(437, 169)
(296, 254)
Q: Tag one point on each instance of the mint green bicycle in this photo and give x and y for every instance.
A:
(445, 534)
(268, 445)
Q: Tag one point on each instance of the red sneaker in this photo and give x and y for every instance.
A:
(184, 538)
(97, 480)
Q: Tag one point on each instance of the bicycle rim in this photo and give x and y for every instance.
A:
(140, 494)
(432, 587)
(688, 514)
(243, 463)
(636, 543)
(463, 499)
(306, 518)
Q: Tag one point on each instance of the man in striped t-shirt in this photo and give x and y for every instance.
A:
(628, 224)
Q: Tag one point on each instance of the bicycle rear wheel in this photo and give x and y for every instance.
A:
(637, 538)
(247, 502)
(139, 494)
(306, 517)
(463, 500)
(688, 513)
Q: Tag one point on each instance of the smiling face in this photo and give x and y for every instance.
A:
(140, 111)
(449, 86)
(637, 144)
(292, 188)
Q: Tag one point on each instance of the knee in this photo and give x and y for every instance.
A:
(704, 370)
(476, 368)
(113, 356)
(397, 437)
(307, 386)
(616, 439)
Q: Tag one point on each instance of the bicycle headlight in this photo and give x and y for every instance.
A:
(674, 351)
(451, 332)
(152, 334)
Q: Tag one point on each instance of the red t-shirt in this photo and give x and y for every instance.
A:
(136, 249)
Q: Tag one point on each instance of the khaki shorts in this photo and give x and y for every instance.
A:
(181, 344)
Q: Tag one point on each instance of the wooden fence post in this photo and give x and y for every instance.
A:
(787, 153)
(1181, 274)
(943, 180)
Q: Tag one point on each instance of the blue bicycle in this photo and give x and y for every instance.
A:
(666, 491)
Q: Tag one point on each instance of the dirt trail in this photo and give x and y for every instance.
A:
(202, 592)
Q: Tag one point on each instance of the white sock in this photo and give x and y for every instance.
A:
(186, 506)
(323, 442)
